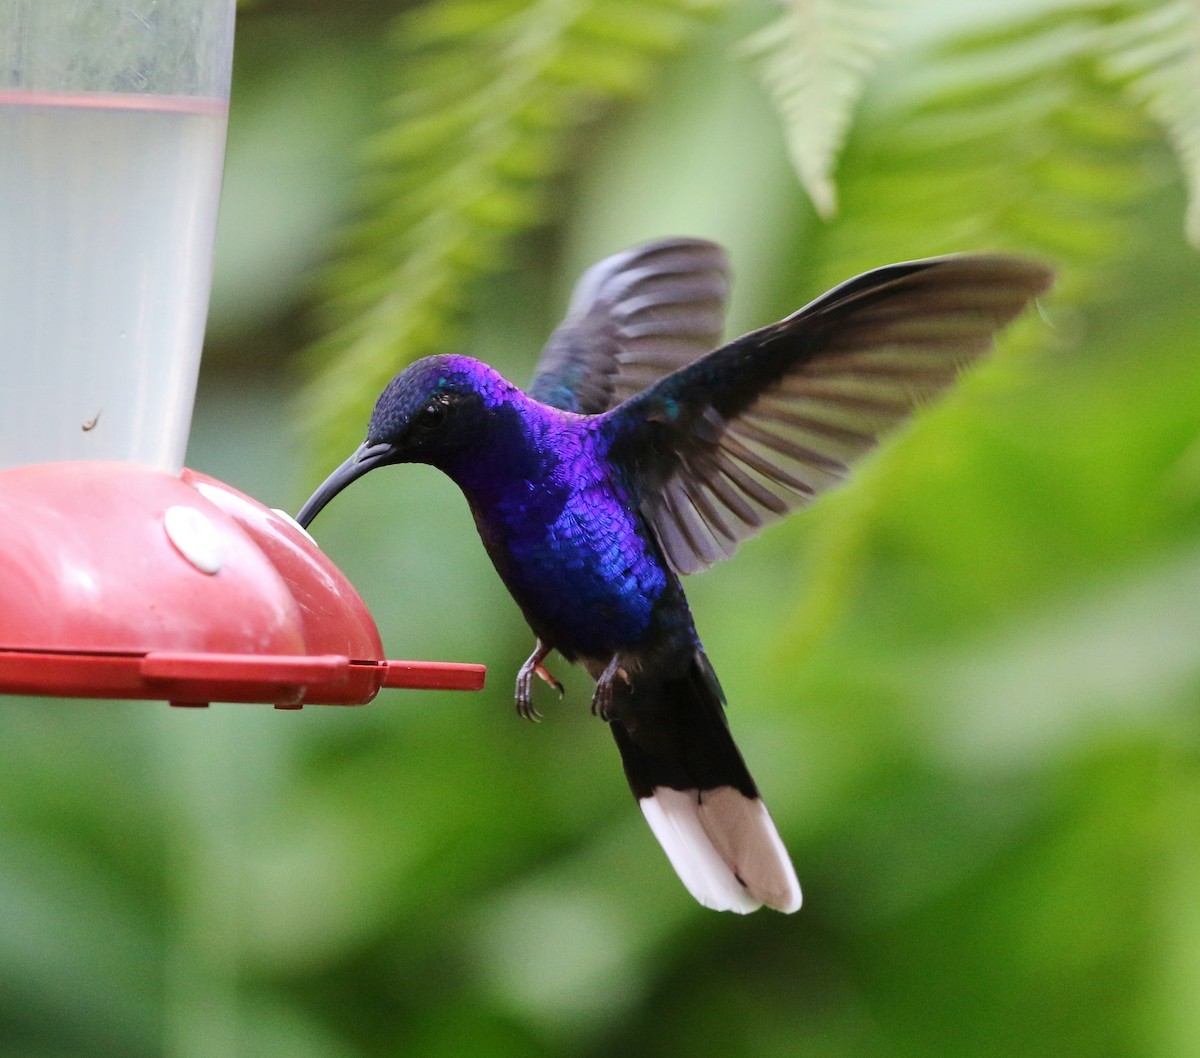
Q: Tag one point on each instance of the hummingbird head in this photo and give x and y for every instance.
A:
(434, 411)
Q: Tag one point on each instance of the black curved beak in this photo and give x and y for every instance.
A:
(366, 457)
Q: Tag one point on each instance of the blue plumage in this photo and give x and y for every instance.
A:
(563, 531)
(570, 545)
(639, 455)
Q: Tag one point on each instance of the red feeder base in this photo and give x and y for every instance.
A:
(121, 581)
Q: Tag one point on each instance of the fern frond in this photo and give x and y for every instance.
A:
(1017, 141)
(492, 96)
(814, 60)
(1155, 54)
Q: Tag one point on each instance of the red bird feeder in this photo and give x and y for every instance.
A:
(123, 581)
(123, 575)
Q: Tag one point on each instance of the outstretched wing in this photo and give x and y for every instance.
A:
(762, 425)
(634, 318)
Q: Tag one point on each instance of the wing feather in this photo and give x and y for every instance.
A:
(734, 440)
(633, 319)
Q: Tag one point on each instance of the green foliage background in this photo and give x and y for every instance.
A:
(968, 683)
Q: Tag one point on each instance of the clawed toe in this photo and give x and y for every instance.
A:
(603, 698)
(543, 673)
(602, 703)
(526, 710)
(534, 667)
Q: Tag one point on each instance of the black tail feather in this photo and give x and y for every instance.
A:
(696, 792)
(673, 733)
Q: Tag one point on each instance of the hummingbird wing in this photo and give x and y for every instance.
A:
(762, 425)
(633, 318)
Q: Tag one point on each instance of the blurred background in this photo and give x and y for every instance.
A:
(968, 682)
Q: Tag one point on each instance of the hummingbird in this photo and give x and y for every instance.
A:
(645, 450)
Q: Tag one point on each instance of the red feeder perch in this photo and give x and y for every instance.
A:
(123, 575)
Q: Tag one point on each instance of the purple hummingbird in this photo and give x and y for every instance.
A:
(643, 452)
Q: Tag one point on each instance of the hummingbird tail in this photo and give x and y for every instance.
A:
(697, 795)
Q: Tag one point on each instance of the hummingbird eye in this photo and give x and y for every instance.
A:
(432, 415)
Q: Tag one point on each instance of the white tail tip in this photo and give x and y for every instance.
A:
(724, 847)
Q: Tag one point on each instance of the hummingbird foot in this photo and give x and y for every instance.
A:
(602, 699)
(534, 667)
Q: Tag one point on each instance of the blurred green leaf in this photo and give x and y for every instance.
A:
(491, 100)
(814, 60)
(1155, 52)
